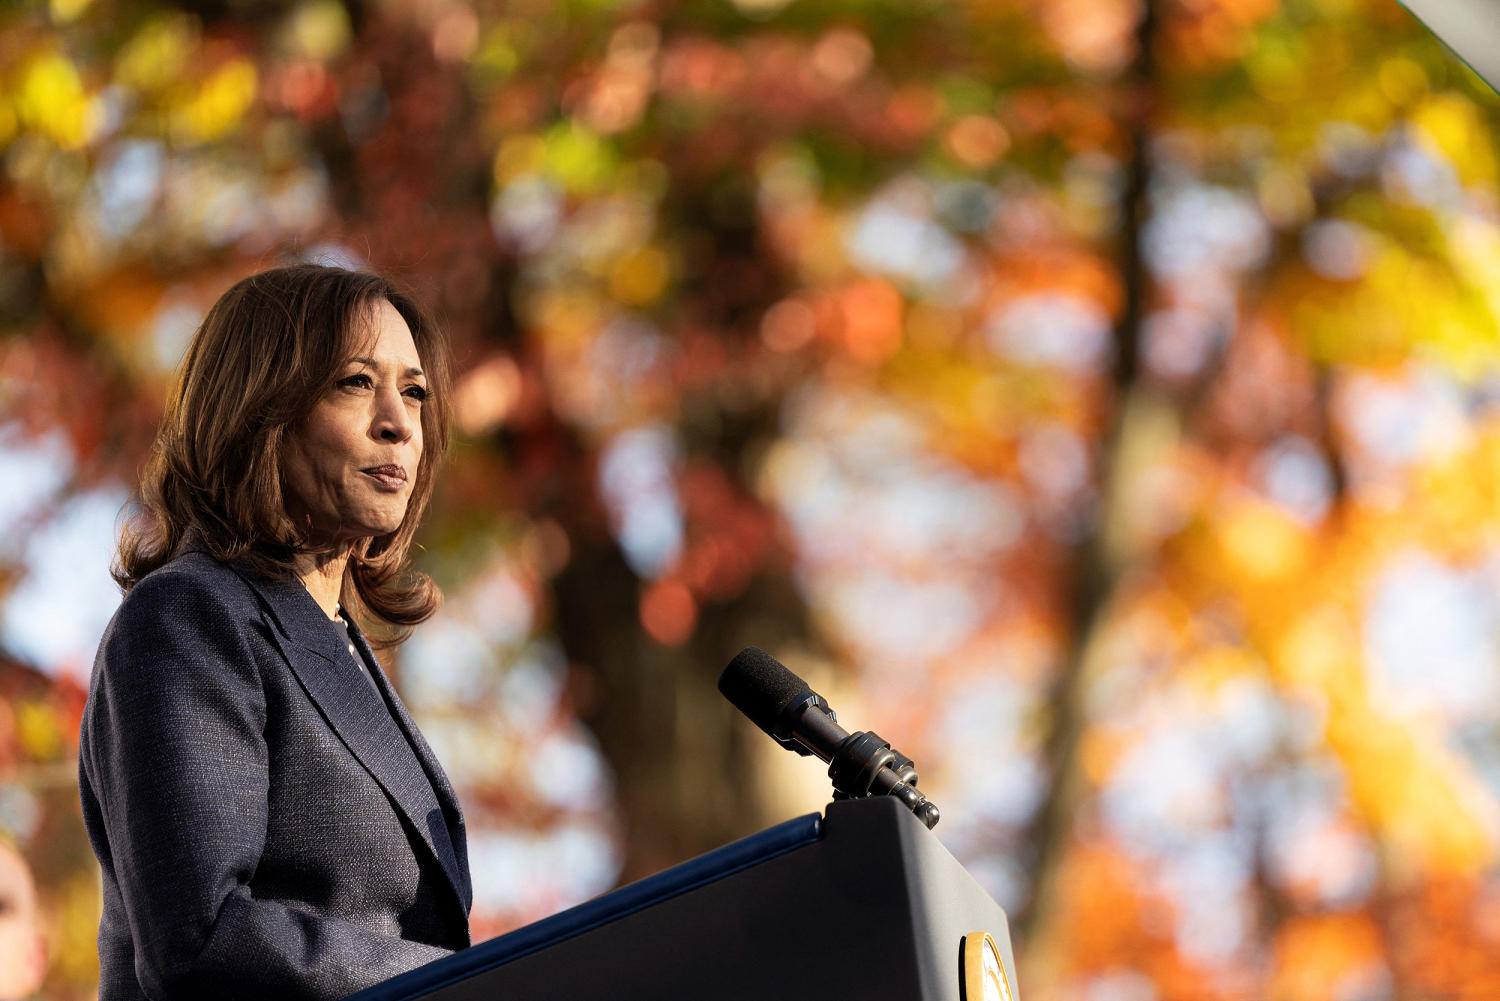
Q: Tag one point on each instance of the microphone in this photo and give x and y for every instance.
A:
(799, 719)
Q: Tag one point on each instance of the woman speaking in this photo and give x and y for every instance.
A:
(269, 821)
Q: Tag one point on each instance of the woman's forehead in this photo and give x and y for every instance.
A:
(380, 334)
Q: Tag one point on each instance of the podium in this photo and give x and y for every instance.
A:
(1471, 28)
(860, 903)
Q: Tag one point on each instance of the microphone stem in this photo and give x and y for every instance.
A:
(823, 737)
(820, 734)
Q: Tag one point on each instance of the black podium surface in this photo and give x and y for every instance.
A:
(863, 902)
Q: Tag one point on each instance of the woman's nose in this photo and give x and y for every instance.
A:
(392, 420)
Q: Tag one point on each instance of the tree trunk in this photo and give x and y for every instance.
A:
(1099, 562)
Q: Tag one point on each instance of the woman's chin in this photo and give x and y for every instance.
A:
(374, 531)
(352, 533)
(386, 526)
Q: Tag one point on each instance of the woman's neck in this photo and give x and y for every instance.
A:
(323, 576)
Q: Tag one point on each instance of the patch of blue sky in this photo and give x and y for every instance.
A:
(526, 213)
(1431, 630)
(171, 331)
(990, 723)
(566, 771)
(35, 469)
(907, 621)
(1294, 474)
(1400, 421)
(540, 873)
(300, 202)
(1196, 227)
(229, 210)
(532, 687)
(447, 661)
(476, 645)
(637, 481)
(1166, 791)
(1310, 846)
(126, 188)
(1052, 328)
(893, 240)
(56, 614)
(1208, 883)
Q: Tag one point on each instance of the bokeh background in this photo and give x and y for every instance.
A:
(1099, 398)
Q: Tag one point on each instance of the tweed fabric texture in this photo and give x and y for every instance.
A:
(267, 825)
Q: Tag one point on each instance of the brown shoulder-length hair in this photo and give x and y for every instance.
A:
(262, 358)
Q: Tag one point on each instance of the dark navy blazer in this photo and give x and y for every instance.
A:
(267, 828)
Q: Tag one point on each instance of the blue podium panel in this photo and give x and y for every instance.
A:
(865, 903)
(561, 927)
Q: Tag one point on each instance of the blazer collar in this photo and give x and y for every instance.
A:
(382, 741)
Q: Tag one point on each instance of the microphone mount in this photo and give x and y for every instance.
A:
(860, 764)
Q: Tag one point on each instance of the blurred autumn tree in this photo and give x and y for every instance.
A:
(1095, 397)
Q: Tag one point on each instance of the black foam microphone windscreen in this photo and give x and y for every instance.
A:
(759, 686)
(797, 718)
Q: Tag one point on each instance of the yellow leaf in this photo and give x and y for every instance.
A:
(64, 11)
(1453, 129)
(639, 278)
(1263, 543)
(51, 99)
(157, 54)
(219, 105)
(319, 30)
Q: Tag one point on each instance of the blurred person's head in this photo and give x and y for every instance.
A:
(23, 952)
(240, 463)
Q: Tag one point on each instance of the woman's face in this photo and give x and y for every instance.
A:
(349, 467)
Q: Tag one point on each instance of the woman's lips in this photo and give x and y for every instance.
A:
(389, 477)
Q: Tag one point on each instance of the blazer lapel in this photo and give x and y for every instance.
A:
(319, 658)
(447, 799)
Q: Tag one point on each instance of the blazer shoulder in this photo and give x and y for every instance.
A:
(189, 593)
(184, 637)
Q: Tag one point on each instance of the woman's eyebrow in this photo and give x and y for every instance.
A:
(375, 364)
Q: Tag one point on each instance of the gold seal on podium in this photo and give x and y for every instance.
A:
(984, 972)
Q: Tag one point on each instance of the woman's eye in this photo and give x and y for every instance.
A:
(418, 393)
(360, 381)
